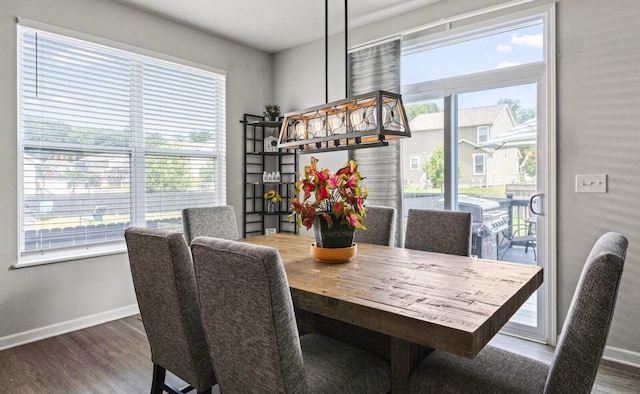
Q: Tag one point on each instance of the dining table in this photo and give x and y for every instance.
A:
(403, 303)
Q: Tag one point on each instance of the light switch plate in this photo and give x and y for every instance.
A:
(594, 183)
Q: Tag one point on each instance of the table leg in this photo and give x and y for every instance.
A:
(405, 356)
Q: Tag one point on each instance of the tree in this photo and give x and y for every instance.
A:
(520, 114)
(434, 167)
(413, 110)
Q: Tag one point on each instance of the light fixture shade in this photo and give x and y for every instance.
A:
(361, 121)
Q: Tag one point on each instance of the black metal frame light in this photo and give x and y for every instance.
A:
(361, 121)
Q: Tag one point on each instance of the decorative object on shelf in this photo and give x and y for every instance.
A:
(334, 255)
(337, 208)
(271, 144)
(272, 198)
(271, 112)
(271, 177)
(362, 121)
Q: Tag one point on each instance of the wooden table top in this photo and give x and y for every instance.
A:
(446, 302)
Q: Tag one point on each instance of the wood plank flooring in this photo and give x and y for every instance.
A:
(114, 358)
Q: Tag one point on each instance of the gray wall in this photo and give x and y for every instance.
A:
(598, 96)
(38, 297)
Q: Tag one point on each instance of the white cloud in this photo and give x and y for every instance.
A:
(507, 64)
(503, 48)
(534, 41)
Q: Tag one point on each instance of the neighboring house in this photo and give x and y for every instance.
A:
(478, 166)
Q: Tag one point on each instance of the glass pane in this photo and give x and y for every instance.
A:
(73, 198)
(497, 177)
(431, 61)
(424, 183)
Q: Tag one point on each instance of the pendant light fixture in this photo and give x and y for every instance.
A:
(362, 121)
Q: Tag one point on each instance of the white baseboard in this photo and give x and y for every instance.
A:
(622, 356)
(65, 327)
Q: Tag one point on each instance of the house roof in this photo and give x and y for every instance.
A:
(467, 117)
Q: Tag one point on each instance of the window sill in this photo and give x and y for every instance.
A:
(61, 255)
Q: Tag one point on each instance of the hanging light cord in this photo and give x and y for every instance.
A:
(346, 51)
(326, 51)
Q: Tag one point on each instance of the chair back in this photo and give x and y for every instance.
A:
(584, 335)
(248, 317)
(439, 231)
(165, 286)
(381, 226)
(217, 222)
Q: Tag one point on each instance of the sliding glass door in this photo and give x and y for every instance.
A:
(478, 104)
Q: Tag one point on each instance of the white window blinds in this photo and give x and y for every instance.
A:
(108, 139)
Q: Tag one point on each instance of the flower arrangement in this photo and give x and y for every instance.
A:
(340, 195)
(272, 196)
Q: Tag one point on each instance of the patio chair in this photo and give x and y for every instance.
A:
(575, 361)
(45, 210)
(252, 335)
(381, 226)
(523, 235)
(217, 222)
(439, 231)
(96, 216)
(165, 286)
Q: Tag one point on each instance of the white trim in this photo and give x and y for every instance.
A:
(53, 330)
(441, 22)
(622, 356)
(550, 204)
(115, 44)
(70, 254)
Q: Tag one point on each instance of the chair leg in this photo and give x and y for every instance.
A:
(157, 384)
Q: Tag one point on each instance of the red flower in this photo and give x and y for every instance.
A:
(341, 195)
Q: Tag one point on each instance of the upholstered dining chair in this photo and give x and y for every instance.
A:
(439, 231)
(165, 286)
(381, 226)
(249, 322)
(575, 361)
(217, 222)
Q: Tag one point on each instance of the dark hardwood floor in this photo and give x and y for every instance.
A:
(114, 358)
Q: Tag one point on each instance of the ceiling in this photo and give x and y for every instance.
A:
(274, 25)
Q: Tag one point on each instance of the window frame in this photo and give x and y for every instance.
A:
(476, 164)
(417, 163)
(135, 152)
(479, 134)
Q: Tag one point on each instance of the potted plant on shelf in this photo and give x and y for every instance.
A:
(271, 112)
(332, 203)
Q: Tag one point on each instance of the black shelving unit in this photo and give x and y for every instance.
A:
(256, 161)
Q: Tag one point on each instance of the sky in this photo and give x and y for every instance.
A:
(513, 47)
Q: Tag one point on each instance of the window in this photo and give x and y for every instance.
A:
(414, 163)
(483, 134)
(479, 164)
(110, 138)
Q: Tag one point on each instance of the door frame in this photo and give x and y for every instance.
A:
(541, 73)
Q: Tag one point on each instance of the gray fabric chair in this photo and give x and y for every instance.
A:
(217, 222)
(165, 286)
(249, 322)
(381, 226)
(439, 231)
(575, 361)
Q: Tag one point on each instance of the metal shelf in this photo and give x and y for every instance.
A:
(256, 161)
